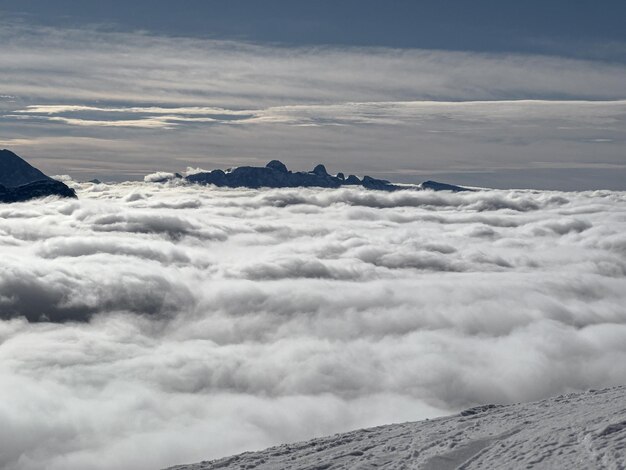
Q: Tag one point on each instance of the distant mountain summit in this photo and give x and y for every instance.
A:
(276, 175)
(20, 181)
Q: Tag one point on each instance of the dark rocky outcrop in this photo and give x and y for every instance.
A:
(373, 183)
(19, 181)
(14, 171)
(276, 175)
(320, 170)
(352, 180)
(278, 166)
(435, 186)
(35, 190)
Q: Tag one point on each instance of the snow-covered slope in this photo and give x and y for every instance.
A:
(582, 430)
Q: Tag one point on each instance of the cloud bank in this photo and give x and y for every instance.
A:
(146, 325)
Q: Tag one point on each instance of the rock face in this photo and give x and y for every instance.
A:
(35, 190)
(435, 186)
(276, 175)
(15, 171)
(20, 181)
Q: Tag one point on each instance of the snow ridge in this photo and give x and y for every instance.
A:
(578, 430)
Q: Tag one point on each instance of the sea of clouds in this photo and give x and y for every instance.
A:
(145, 325)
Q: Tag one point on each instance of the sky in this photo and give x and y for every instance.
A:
(500, 94)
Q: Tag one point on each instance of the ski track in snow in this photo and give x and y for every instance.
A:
(578, 430)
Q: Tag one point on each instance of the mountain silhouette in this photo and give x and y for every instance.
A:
(276, 175)
(15, 171)
(20, 181)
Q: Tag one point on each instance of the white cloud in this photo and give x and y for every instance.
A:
(226, 320)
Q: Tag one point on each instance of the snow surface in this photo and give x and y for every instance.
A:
(578, 430)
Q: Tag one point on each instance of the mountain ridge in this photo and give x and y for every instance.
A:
(276, 175)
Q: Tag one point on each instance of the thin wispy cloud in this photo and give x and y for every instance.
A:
(464, 115)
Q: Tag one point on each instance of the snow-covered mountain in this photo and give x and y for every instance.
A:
(579, 430)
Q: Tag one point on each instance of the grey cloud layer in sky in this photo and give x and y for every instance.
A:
(230, 320)
(119, 105)
(584, 28)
